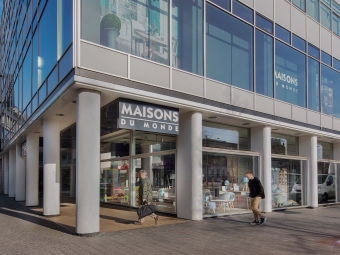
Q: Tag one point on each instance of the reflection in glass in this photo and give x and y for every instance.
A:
(290, 73)
(229, 49)
(243, 11)
(263, 23)
(161, 172)
(282, 33)
(153, 142)
(330, 89)
(52, 80)
(187, 32)
(224, 186)
(300, 4)
(114, 147)
(137, 27)
(325, 150)
(336, 64)
(287, 183)
(66, 64)
(326, 58)
(326, 183)
(313, 85)
(313, 51)
(65, 34)
(336, 24)
(264, 64)
(222, 3)
(27, 77)
(225, 137)
(325, 14)
(285, 145)
(299, 43)
(42, 93)
(313, 9)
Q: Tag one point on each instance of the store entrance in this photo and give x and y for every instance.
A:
(328, 174)
(65, 181)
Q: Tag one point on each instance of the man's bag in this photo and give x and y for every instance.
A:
(146, 210)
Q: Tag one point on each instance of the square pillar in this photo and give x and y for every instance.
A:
(11, 173)
(20, 175)
(189, 167)
(261, 142)
(32, 170)
(51, 200)
(308, 148)
(88, 162)
(6, 173)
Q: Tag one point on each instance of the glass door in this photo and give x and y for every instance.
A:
(326, 182)
(65, 181)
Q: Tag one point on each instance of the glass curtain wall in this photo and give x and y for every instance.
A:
(284, 145)
(288, 183)
(225, 189)
(124, 155)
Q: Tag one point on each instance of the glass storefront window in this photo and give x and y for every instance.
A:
(285, 145)
(114, 147)
(264, 64)
(313, 85)
(225, 137)
(229, 49)
(325, 150)
(187, 35)
(153, 142)
(326, 182)
(225, 189)
(288, 183)
(330, 89)
(138, 27)
(114, 182)
(161, 172)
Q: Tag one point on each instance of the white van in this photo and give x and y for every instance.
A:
(326, 187)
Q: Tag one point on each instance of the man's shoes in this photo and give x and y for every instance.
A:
(138, 223)
(156, 220)
(263, 220)
(255, 222)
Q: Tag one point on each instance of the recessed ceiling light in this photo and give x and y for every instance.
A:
(212, 117)
(246, 124)
(60, 114)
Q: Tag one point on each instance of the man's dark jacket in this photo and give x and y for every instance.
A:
(256, 188)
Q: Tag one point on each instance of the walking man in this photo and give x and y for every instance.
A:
(256, 194)
(145, 195)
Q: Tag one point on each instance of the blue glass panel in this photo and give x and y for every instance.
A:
(290, 73)
(48, 40)
(300, 4)
(42, 93)
(313, 51)
(264, 64)
(243, 11)
(325, 14)
(34, 102)
(223, 3)
(313, 85)
(336, 24)
(330, 91)
(66, 23)
(326, 58)
(299, 43)
(264, 23)
(52, 81)
(336, 64)
(187, 32)
(27, 77)
(229, 49)
(282, 33)
(66, 64)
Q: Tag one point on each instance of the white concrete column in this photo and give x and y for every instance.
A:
(261, 142)
(73, 175)
(32, 170)
(20, 175)
(88, 162)
(308, 148)
(6, 173)
(189, 167)
(11, 173)
(51, 151)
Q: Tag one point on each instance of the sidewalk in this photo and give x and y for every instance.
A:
(299, 231)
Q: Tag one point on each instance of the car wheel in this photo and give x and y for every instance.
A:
(325, 197)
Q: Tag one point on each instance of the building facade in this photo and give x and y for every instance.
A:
(195, 92)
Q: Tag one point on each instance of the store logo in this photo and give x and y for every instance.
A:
(148, 117)
(286, 78)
